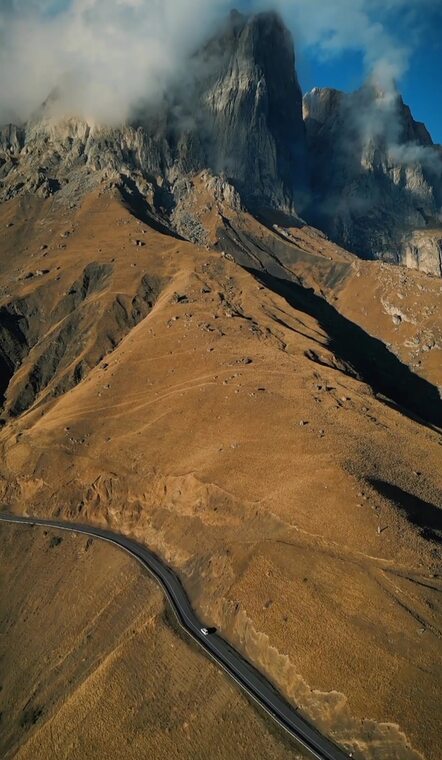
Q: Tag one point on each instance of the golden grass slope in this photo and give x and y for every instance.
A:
(300, 510)
(93, 666)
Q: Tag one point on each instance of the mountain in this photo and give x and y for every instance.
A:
(184, 359)
(376, 176)
(357, 166)
(239, 113)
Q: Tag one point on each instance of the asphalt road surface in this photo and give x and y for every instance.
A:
(249, 679)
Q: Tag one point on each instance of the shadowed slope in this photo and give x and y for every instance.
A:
(370, 358)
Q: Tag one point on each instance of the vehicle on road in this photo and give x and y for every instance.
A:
(208, 631)
(244, 673)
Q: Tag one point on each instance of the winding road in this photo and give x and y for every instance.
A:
(245, 675)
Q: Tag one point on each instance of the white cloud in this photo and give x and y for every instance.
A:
(109, 54)
(330, 27)
(105, 54)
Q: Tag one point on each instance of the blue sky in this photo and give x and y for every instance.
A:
(420, 85)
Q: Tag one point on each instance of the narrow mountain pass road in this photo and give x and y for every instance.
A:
(246, 676)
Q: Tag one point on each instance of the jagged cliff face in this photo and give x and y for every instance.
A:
(239, 113)
(255, 112)
(376, 176)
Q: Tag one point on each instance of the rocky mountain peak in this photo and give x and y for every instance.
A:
(254, 104)
(356, 165)
(376, 176)
(237, 113)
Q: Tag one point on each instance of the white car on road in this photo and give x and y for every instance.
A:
(208, 631)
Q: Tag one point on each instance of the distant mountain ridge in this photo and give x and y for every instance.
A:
(376, 176)
(239, 115)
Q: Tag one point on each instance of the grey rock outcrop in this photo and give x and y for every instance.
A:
(376, 176)
(237, 113)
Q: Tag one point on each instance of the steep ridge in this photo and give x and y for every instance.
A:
(66, 340)
(277, 261)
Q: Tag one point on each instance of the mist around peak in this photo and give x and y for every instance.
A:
(108, 57)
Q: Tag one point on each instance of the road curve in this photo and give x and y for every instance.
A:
(248, 678)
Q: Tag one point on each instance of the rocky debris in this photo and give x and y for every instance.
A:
(179, 298)
(37, 273)
(376, 177)
(222, 191)
(189, 226)
(244, 360)
(398, 315)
